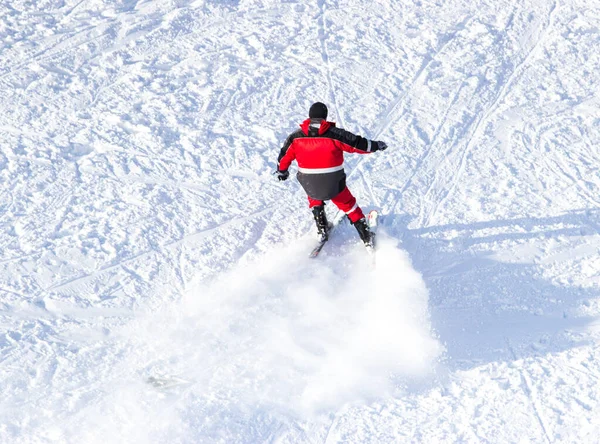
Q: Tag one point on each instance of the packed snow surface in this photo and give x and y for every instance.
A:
(154, 279)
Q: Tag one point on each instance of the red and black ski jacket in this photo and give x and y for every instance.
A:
(318, 147)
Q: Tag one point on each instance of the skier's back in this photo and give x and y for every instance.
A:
(318, 147)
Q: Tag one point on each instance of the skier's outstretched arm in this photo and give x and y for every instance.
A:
(352, 143)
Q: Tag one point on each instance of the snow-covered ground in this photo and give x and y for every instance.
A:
(154, 285)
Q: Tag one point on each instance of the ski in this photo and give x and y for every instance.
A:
(372, 219)
(320, 244)
(317, 249)
(372, 222)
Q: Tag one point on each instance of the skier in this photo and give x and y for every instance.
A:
(318, 147)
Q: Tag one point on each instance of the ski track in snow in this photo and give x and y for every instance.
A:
(154, 285)
(484, 117)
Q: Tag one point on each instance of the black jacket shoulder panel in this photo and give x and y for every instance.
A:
(296, 134)
(358, 142)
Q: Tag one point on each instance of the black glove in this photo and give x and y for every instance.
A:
(282, 175)
(381, 146)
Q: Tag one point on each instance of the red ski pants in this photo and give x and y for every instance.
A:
(345, 201)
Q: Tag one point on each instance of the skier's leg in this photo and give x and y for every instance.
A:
(346, 202)
(365, 233)
(314, 202)
(318, 210)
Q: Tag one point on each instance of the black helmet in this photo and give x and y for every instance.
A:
(318, 110)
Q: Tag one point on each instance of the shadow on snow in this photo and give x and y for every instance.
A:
(485, 310)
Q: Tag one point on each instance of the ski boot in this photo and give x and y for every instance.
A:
(321, 221)
(365, 233)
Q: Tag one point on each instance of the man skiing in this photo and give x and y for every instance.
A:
(318, 148)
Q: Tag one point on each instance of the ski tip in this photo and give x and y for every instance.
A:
(372, 218)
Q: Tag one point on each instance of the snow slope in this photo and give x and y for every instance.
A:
(145, 242)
